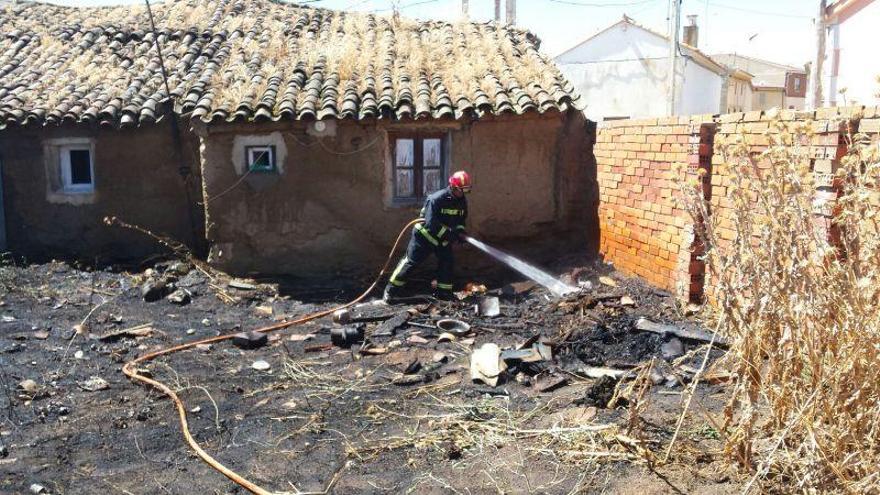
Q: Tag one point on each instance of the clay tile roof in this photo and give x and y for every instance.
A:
(260, 59)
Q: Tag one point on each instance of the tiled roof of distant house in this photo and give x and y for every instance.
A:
(240, 60)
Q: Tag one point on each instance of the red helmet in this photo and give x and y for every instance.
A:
(461, 180)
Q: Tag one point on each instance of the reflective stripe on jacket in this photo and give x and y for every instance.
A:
(443, 212)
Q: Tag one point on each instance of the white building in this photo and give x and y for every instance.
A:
(621, 72)
(740, 92)
(851, 60)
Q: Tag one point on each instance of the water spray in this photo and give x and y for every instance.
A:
(557, 287)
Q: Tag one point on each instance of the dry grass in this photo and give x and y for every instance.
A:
(803, 314)
(434, 422)
(485, 426)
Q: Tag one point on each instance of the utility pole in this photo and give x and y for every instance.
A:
(2, 214)
(497, 10)
(511, 12)
(815, 98)
(674, 27)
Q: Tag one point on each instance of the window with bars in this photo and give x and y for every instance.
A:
(418, 165)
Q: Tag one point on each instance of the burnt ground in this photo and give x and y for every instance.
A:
(396, 414)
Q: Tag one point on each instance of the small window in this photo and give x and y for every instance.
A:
(260, 158)
(77, 170)
(797, 84)
(419, 165)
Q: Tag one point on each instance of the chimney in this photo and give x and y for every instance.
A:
(497, 10)
(691, 31)
(511, 12)
(464, 8)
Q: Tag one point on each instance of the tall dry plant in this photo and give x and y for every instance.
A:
(798, 295)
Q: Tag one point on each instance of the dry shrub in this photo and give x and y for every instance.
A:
(802, 309)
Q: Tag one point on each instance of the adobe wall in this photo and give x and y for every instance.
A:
(136, 180)
(329, 209)
(645, 228)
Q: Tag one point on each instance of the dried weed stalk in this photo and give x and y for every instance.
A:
(797, 284)
(484, 426)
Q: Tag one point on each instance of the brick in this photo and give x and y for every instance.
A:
(824, 167)
(729, 128)
(820, 126)
(869, 126)
(757, 127)
(829, 139)
(826, 113)
(731, 117)
(753, 116)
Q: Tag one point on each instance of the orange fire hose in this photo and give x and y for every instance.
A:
(133, 373)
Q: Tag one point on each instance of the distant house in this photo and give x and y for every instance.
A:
(740, 92)
(775, 85)
(851, 60)
(621, 72)
(290, 139)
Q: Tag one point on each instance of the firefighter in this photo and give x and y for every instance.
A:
(444, 215)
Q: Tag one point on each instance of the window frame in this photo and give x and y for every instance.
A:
(259, 148)
(66, 168)
(418, 168)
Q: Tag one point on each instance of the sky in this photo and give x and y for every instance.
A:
(777, 30)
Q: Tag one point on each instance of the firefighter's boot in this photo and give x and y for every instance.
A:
(391, 293)
(444, 295)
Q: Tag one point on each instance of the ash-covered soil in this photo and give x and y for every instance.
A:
(395, 412)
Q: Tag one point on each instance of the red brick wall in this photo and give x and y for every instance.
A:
(826, 146)
(644, 228)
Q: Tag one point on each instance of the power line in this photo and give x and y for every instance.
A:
(618, 60)
(759, 12)
(356, 3)
(412, 4)
(590, 4)
(642, 10)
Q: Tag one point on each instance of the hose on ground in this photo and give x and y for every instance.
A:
(131, 370)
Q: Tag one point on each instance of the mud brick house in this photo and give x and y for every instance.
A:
(290, 139)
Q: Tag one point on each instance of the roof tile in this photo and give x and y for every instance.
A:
(261, 59)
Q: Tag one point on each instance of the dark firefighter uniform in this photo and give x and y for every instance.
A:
(445, 217)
